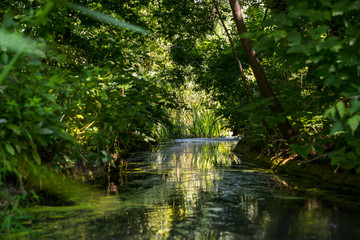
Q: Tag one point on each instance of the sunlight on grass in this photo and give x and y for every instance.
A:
(199, 117)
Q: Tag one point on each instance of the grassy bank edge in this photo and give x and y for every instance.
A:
(324, 175)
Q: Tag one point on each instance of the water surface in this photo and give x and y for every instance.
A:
(198, 189)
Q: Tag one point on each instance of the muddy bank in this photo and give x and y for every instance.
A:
(320, 171)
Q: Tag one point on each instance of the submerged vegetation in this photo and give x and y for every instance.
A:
(84, 83)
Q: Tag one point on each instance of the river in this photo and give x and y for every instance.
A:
(198, 189)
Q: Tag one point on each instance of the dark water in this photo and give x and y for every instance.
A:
(200, 190)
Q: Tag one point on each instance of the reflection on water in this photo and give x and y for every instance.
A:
(198, 190)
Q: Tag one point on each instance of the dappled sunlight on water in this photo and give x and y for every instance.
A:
(198, 190)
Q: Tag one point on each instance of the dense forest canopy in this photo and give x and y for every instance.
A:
(85, 82)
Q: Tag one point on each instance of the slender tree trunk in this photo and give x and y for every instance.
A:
(242, 74)
(262, 82)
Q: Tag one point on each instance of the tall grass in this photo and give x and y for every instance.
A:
(204, 123)
(198, 117)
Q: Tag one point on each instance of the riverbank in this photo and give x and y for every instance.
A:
(319, 171)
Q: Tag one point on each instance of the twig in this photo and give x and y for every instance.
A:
(318, 157)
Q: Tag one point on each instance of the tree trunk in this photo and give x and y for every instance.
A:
(242, 74)
(262, 82)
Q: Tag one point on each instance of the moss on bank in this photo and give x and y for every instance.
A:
(320, 171)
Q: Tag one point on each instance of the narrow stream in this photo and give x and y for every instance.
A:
(198, 189)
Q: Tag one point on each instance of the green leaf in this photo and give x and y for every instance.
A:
(330, 112)
(296, 49)
(10, 149)
(15, 128)
(354, 107)
(105, 18)
(351, 155)
(45, 131)
(302, 150)
(294, 38)
(281, 19)
(333, 80)
(339, 8)
(336, 159)
(353, 122)
(4, 58)
(340, 106)
(337, 127)
(61, 133)
(333, 43)
(327, 3)
(279, 34)
(30, 138)
(50, 97)
(36, 157)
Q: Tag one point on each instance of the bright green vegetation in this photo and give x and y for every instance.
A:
(84, 83)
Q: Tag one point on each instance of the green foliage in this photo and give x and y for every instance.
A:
(63, 105)
(197, 118)
(321, 38)
(29, 112)
(13, 215)
(83, 85)
(104, 18)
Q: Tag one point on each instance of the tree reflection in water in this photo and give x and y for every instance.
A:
(199, 190)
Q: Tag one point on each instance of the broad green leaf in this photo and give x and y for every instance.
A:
(64, 135)
(340, 106)
(333, 43)
(105, 18)
(282, 19)
(50, 97)
(327, 3)
(279, 34)
(333, 80)
(316, 33)
(339, 8)
(45, 131)
(330, 113)
(294, 38)
(10, 149)
(354, 107)
(351, 155)
(353, 122)
(302, 150)
(337, 127)
(336, 159)
(122, 124)
(61, 133)
(15, 128)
